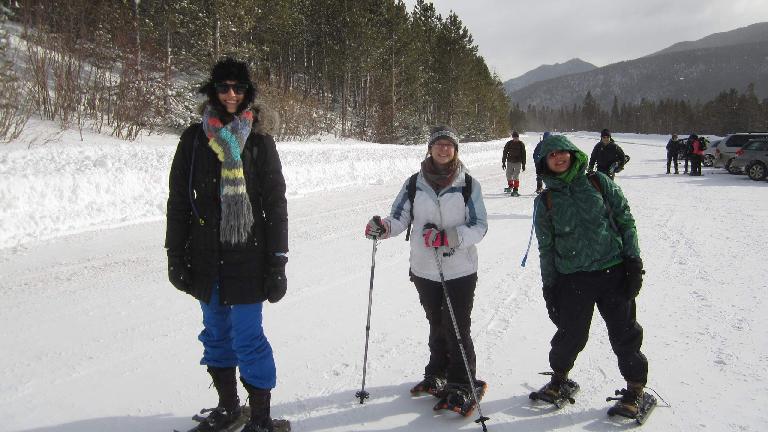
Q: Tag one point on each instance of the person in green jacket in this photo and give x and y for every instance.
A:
(589, 255)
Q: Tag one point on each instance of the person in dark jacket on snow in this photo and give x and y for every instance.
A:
(446, 226)
(589, 255)
(673, 149)
(513, 161)
(536, 156)
(227, 239)
(607, 155)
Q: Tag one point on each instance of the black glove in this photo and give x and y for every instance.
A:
(275, 283)
(550, 299)
(634, 279)
(180, 272)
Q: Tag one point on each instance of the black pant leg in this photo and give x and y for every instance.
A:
(669, 162)
(575, 305)
(431, 299)
(624, 332)
(462, 294)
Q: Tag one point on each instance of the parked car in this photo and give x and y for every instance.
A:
(725, 152)
(752, 158)
(709, 154)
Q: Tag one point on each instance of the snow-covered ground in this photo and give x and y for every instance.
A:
(94, 338)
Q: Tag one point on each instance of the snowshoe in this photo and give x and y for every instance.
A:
(507, 190)
(277, 426)
(219, 420)
(557, 391)
(515, 193)
(632, 406)
(431, 384)
(458, 398)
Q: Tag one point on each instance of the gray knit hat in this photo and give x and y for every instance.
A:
(443, 132)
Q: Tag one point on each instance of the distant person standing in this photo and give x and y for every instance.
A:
(537, 156)
(673, 149)
(697, 154)
(513, 161)
(685, 151)
(607, 155)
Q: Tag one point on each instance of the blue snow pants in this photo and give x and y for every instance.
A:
(233, 336)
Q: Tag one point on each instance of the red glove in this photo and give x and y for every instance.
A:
(376, 229)
(434, 237)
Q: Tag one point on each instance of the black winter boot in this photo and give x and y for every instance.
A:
(631, 398)
(555, 385)
(431, 384)
(228, 409)
(259, 401)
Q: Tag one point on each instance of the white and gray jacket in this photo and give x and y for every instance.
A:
(445, 209)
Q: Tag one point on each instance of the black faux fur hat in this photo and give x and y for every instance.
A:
(229, 69)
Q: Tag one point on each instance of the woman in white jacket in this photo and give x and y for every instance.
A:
(443, 218)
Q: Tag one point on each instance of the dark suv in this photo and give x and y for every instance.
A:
(727, 147)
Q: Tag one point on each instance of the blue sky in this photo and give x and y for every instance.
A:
(515, 36)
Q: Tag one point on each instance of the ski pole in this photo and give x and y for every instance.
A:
(481, 418)
(362, 394)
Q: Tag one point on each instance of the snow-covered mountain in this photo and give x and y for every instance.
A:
(545, 72)
(757, 32)
(690, 71)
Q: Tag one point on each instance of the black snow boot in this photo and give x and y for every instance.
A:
(261, 421)
(228, 409)
(431, 384)
(555, 387)
(631, 398)
(259, 401)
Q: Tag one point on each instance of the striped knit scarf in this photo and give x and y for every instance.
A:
(228, 142)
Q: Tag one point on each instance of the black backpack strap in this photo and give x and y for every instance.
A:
(411, 190)
(467, 191)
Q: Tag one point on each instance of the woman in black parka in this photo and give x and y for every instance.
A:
(227, 239)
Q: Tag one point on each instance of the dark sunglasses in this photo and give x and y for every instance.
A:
(238, 88)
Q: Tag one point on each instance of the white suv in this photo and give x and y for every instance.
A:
(726, 149)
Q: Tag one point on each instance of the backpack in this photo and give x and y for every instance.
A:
(703, 143)
(466, 192)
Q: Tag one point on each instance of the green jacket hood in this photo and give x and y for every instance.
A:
(558, 143)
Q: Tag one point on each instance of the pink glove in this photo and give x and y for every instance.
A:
(434, 237)
(376, 229)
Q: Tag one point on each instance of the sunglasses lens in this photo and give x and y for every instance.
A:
(238, 88)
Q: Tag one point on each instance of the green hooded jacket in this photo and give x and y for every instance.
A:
(576, 234)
